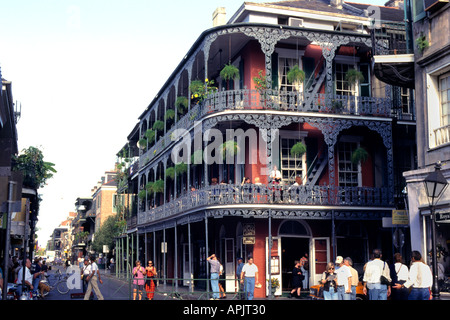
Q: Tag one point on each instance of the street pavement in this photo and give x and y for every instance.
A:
(114, 288)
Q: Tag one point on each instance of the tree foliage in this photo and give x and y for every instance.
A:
(107, 233)
(35, 170)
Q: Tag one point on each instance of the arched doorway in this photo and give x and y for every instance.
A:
(291, 243)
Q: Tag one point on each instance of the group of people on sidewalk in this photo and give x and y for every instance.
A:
(144, 277)
(380, 280)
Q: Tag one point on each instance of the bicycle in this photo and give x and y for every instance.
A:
(58, 281)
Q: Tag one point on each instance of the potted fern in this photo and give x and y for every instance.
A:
(170, 173)
(229, 72)
(181, 104)
(353, 76)
(181, 168)
(150, 135)
(158, 125)
(360, 155)
(296, 76)
(142, 143)
(298, 149)
(158, 186)
(229, 145)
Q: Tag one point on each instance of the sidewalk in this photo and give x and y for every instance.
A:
(171, 292)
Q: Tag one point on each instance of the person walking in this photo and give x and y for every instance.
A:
(399, 274)
(374, 273)
(420, 279)
(240, 285)
(344, 280)
(93, 279)
(355, 278)
(150, 272)
(85, 272)
(304, 266)
(138, 280)
(329, 278)
(250, 277)
(297, 277)
(214, 276)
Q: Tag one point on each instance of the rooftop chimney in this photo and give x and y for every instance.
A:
(337, 3)
(219, 17)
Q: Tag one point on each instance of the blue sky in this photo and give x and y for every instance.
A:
(83, 72)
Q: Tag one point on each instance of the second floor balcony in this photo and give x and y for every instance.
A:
(248, 196)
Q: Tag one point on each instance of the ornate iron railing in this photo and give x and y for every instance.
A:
(273, 194)
(283, 101)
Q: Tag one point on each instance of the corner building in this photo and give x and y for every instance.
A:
(181, 216)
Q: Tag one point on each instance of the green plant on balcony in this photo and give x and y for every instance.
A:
(197, 157)
(359, 155)
(181, 168)
(296, 76)
(142, 143)
(422, 43)
(158, 125)
(230, 146)
(158, 186)
(181, 104)
(353, 76)
(149, 187)
(170, 173)
(200, 90)
(298, 149)
(229, 72)
(260, 82)
(142, 194)
(150, 135)
(170, 114)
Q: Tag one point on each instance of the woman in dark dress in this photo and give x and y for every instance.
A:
(297, 278)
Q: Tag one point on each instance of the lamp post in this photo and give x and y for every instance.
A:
(435, 184)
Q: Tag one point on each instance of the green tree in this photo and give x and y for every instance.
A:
(109, 230)
(35, 170)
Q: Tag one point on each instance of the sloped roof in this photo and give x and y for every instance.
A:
(315, 5)
(387, 13)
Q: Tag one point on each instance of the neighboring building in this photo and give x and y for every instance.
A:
(104, 198)
(338, 208)
(430, 31)
(83, 227)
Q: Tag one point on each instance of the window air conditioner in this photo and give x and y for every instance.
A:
(295, 22)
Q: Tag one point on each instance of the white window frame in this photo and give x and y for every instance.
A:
(293, 135)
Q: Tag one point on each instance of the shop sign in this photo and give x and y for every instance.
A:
(443, 217)
(248, 240)
(400, 217)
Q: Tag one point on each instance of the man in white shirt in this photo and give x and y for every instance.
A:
(250, 273)
(28, 280)
(93, 277)
(344, 280)
(372, 274)
(420, 279)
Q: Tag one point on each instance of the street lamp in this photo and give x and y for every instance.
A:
(435, 184)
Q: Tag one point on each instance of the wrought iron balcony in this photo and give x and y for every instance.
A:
(267, 195)
(293, 101)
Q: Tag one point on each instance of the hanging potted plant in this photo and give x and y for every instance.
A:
(170, 173)
(296, 76)
(360, 155)
(181, 168)
(142, 143)
(353, 76)
(181, 104)
(229, 72)
(197, 157)
(170, 114)
(142, 194)
(298, 149)
(158, 125)
(149, 187)
(229, 145)
(158, 186)
(150, 135)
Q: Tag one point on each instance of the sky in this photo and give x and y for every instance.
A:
(83, 72)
